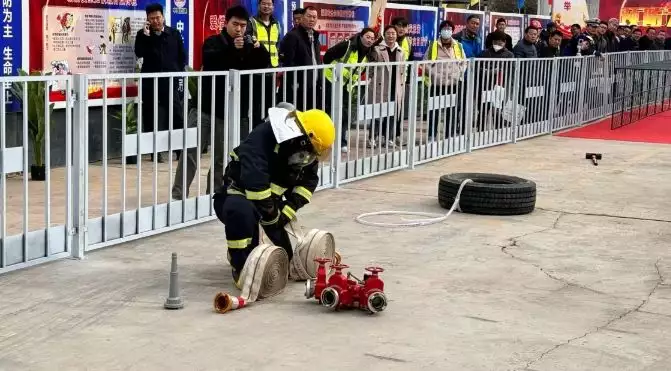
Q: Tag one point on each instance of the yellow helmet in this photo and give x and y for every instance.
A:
(319, 127)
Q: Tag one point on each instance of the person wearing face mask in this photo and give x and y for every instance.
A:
(497, 49)
(489, 76)
(388, 83)
(443, 79)
(351, 51)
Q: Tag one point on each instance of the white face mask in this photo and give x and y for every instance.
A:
(446, 34)
(497, 47)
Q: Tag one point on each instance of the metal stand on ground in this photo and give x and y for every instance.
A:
(174, 301)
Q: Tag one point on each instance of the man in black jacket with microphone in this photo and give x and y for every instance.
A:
(226, 51)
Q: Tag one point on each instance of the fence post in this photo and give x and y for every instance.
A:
(581, 90)
(336, 112)
(80, 178)
(234, 101)
(470, 93)
(606, 86)
(554, 97)
(516, 96)
(412, 113)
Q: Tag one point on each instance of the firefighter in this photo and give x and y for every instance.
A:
(270, 176)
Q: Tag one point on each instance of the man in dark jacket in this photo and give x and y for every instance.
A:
(526, 48)
(300, 47)
(631, 43)
(162, 50)
(553, 46)
(225, 51)
(272, 174)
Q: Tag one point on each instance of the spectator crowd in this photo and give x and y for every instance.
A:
(249, 42)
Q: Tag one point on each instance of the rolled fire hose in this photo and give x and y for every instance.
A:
(267, 269)
(430, 218)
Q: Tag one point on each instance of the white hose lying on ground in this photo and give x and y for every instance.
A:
(430, 218)
(267, 269)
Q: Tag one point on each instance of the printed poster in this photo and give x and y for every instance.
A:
(566, 13)
(338, 22)
(421, 26)
(11, 46)
(90, 40)
(539, 21)
(210, 16)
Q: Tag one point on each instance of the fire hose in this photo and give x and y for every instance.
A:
(267, 269)
(430, 218)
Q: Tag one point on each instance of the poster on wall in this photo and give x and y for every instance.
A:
(90, 40)
(209, 18)
(566, 13)
(538, 21)
(646, 13)
(339, 20)
(515, 24)
(94, 37)
(11, 46)
(179, 18)
(421, 25)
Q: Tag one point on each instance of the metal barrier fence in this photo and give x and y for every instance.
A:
(142, 156)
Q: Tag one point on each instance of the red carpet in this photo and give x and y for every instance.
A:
(653, 129)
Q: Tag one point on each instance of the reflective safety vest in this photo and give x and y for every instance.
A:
(268, 37)
(405, 46)
(350, 75)
(433, 55)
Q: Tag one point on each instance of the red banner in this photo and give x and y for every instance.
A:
(644, 13)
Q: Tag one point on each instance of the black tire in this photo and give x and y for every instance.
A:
(488, 194)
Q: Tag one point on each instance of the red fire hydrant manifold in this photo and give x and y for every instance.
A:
(346, 291)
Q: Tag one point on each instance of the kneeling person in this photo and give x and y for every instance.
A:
(271, 175)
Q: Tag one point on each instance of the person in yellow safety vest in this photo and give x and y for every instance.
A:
(352, 51)
(444, 79)
(266, 30)
(401, 25)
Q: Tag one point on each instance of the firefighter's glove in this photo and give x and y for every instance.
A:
(268, 210)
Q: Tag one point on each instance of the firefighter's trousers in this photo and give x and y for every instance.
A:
(241, 220)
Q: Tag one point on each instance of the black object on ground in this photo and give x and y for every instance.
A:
(593, 157)
(488, 194)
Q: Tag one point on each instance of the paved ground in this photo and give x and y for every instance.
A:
(580, 284)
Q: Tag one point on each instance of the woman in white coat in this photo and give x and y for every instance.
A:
(388, 83)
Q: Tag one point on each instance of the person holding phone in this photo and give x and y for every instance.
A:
(161, 48)
(229, 50)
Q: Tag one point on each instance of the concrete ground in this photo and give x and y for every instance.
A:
(580, 284)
